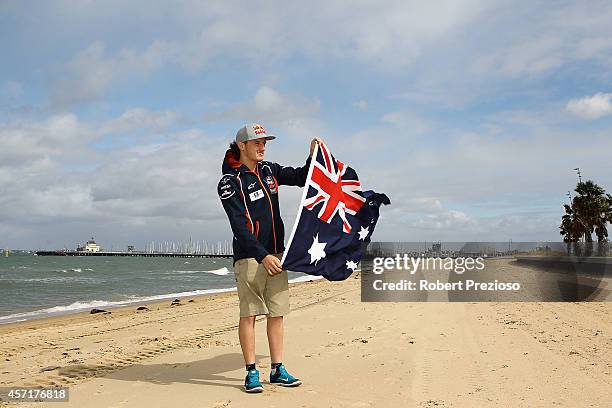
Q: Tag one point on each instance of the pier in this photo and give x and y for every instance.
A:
(132, 253)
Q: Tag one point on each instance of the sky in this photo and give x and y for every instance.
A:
(470, 116)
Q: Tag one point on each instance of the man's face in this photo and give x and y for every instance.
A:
(253, 149)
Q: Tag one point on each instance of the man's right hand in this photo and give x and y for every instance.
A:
(272, 265)
(313, 143)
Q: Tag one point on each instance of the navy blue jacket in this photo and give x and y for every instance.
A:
(250, 199)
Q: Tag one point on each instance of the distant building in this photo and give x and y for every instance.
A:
(130, 248)
(90, 246)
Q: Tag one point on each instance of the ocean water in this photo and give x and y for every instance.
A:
(39, 286)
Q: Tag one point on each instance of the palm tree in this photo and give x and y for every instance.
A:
(601, 224)
(590, 211)
(569, 228)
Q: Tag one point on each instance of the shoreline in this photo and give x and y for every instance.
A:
(42, 314)
(113, 305)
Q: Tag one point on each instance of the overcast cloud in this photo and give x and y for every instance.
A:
(114, 116)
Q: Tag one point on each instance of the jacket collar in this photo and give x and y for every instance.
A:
(231, 165)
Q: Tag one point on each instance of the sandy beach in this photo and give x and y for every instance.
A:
(348, 354)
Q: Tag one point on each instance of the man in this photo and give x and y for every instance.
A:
(249, 194)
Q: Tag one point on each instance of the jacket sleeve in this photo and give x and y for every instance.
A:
(291, 176)
(233, 204)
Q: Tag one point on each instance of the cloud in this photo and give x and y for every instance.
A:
(168, 186)
(486, 174)
(591, 107)
(408, 122)
(141, 119)
(361, 105)
(430, 43)
(269, 104)
(448, 220)
(63, 138)
(173, 180)
(49, 169)
(415, 210)
(25, 142)
(452, 109)
(390, 36)
(56, 185)
(36, 160)
(92, 73)
(546, 41)
(54, 203)
(530, 57)
(56, 182)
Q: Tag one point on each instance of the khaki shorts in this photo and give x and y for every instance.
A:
(260, 293)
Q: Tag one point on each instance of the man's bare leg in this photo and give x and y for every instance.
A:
(275, 328)
(246, 334)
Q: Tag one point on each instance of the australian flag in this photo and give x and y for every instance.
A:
(335, 220)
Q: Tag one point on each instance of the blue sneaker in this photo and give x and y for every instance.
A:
(280, 376)
(251, 382)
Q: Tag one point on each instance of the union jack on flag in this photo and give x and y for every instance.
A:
(337, 188)
(335, 221)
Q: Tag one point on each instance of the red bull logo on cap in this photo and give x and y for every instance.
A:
(259, 130)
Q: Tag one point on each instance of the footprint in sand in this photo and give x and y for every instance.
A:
(433, 403)
(222, 404)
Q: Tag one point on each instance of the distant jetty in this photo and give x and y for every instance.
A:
(167, 250)
(132, 253)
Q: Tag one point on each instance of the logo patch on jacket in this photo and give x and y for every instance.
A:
(225, 190)
(271, 184)
(256, 195)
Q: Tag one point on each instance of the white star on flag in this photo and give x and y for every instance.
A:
(351, 265)
(316, 250)
(363, 233)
